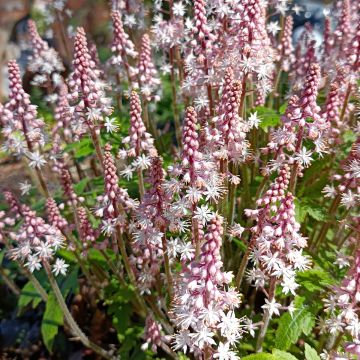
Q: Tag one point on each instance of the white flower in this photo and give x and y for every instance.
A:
(107, 227)
(182, 341)
(348, 199)
(254, 120)
(203, 337)
(142, 162)
(291, 309)
(193, 194)
(249, 326)
(273, 27)
(44, 250)
(179, 9)
(297, 9)
(354, 168)
(301, 262)
(213, 192)
(224, 352)
(236, 230)
(173, 247)
(335, 324)
(165, 68)
(272, 306)
(281, 7)
(127, 172)
(341, 260)
(329, 191)
(93, 114)
(229, 326)
(60, 267)
(110, 125)
(203, 214)
(130, 21)
(186, 250)
(25, 187)
(247, 64)
(210, 315)
(36, 160)
(304, 157)
(33, 263)
(354, 327)
(201, 102)
(289, 285)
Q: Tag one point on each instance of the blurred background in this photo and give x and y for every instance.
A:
(56, 17)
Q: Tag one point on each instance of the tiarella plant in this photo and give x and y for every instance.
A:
(193, 195)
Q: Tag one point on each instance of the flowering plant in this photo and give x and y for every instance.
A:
(192, 195)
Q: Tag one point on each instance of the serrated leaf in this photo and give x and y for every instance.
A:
(315, 279)
(283, 355)
(310, 353)
(52, 319)
(260, 356)
(316, 212)
(290, 328)
(300, 212)
(306, 207)
(28, 295)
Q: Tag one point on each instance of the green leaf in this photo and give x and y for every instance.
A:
(240, 244)
(52, 319)
(28, 295)
(300, 212)
(310, 353)
(349, 136)
(283, 107)
(183, 356)
(67, 255)
(2, 254)
(260, 356)
(269, 117)
(307, 207)
(290, 328)
(283, 355)
(80, 186)
(81, 149)
(316, 212)
(70, 283)
(316, 279)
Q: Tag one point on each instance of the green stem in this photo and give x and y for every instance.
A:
(232, 197)
(43, 294)
(266, 317)
(174, 103)
(167, 267)
(9, 282)
(141, 183)
(74, 327)
(242, 268)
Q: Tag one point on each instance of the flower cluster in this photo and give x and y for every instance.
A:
(278, 246)
(203, 306)
(122, 47)
(45, 62)
(159, 211)
(22, 129)
(35, 241)
(343, 307)
(86, 90)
